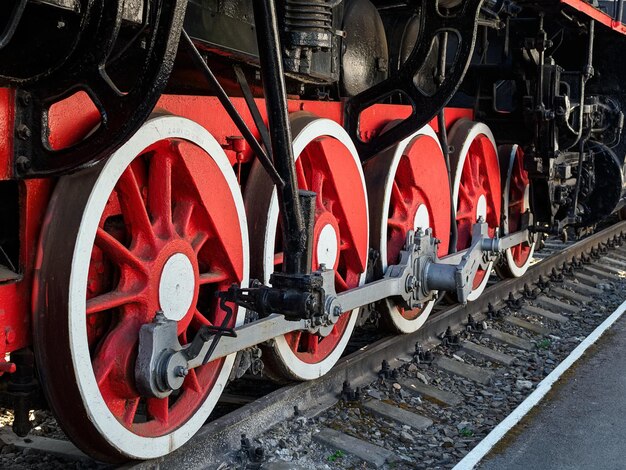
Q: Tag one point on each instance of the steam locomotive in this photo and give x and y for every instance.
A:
(196, 189)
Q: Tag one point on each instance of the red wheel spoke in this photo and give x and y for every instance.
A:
(133, 207)
(467, 191)
(311, 343)
(200, 320)
(199, 241)
(130, 411)
(302, 182)
(202, 178)
(398, 199)
(317, 183)
(293, 339)
(160, 193)
(119, 408)
(110, 300)
(158, 408)
(117, 252)
(113, 359)
(182, 216)
(341, 283)
(213, 278)
(475, 168)
(465, 214)
(102, 372)
(397, 224)
(191, 382)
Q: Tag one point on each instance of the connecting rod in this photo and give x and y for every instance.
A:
(163, 362)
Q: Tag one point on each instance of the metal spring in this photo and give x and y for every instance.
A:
(308, 15)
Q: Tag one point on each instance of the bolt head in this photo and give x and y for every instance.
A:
(181, 371)
(23, 164)
(23, 132)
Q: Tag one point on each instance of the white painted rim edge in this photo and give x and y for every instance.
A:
(126, 442)
(476, 129)
(475, 456)
(401, 323)
(317, 127)
(516, 271)
(477, 292)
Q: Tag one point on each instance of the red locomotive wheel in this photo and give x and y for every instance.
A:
(326, 163)
(159, 226)
(407, 190)
(515, 203)
(476, 187)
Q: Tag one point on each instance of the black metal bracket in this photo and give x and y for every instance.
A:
(434, 21)
(297, 232)
(252, 107)
(122, 112)
(228, 105)
(13, 21)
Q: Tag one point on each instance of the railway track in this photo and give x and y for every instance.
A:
(514, 324)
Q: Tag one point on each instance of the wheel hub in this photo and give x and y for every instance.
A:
(326, 241)
(422, 218)
(481, 208)
(177, 287)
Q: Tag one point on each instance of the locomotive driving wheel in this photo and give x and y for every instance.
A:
(407, 191)
(326, 163)
(476, 187)
(515, 203)
(159, 226)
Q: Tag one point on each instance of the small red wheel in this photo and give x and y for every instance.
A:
(159, 226)
(407, 190)
(516, 202)
(476, 187)
(328, 164)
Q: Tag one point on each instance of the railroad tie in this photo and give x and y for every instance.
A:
(583, 288)
(454, 367)
(370, 453)
(399, 415)
(600, 272)
(568, 294)
(591, 281)
(521, 323)
(544, 313)
(47, 445)
(619, 263)
(618, 272)
(482, 352)
(556, 305)
(508, 339)
(430, 393)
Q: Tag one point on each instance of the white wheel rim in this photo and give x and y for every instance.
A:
(515, 270)
(476, 129)
(298, 368)
(122, 439)
(403, 324)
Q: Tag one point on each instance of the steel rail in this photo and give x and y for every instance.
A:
(223, 434)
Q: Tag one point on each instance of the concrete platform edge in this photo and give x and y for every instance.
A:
(474, 457)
